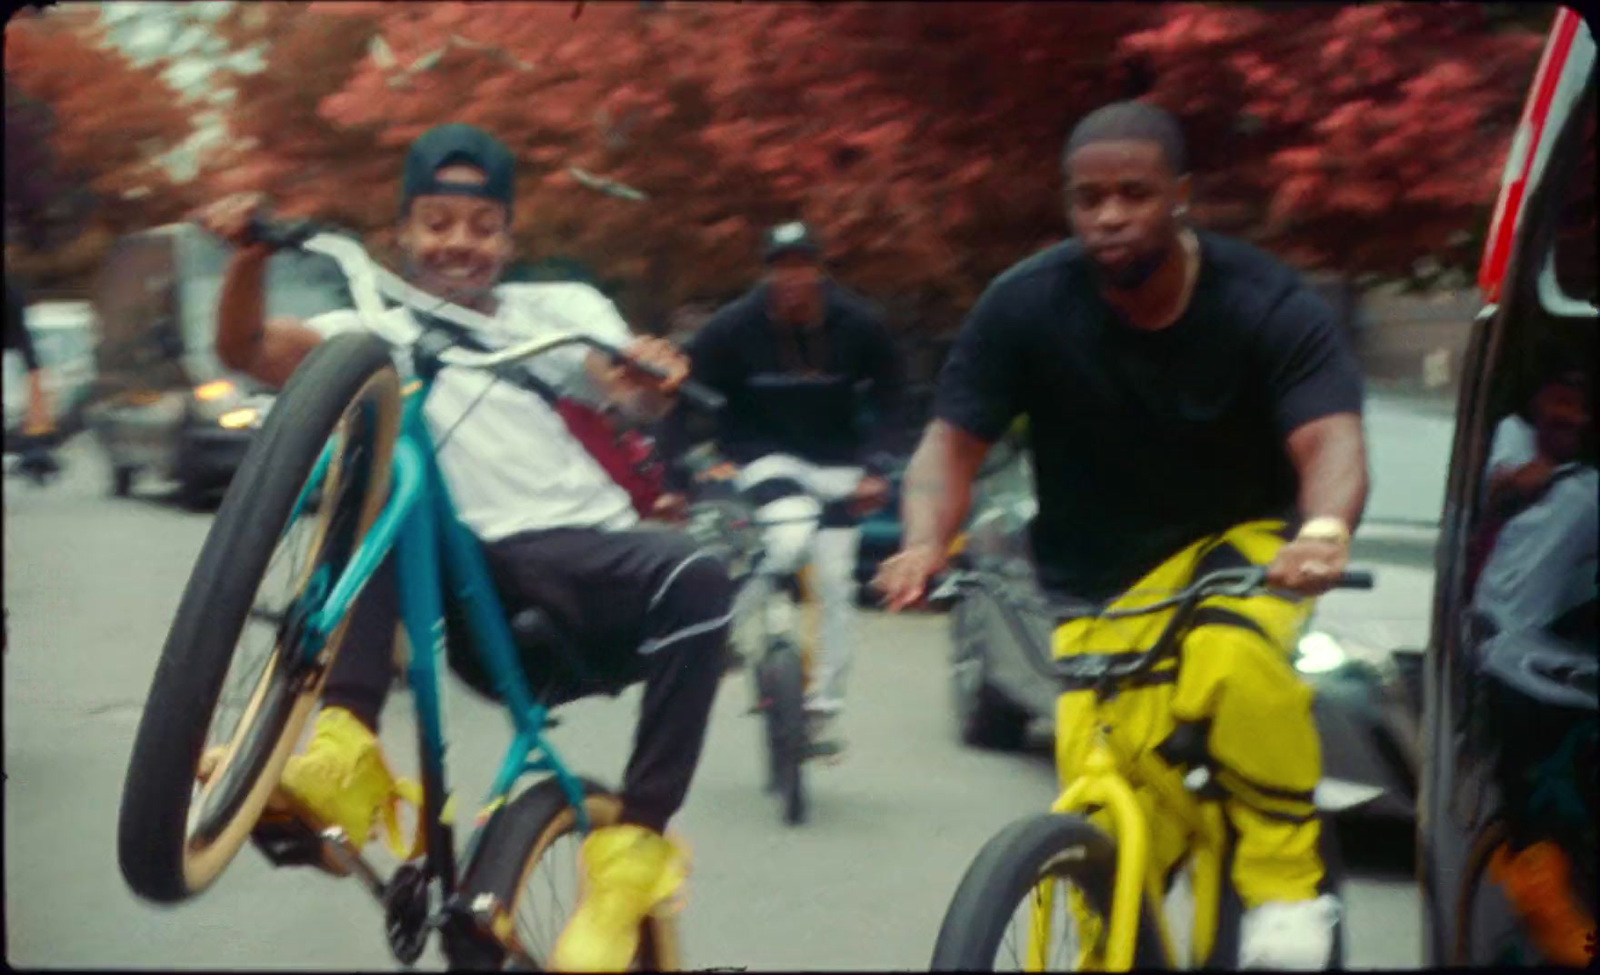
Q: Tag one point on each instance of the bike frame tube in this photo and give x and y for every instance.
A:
(1207, 858)
(408, 487)
(1100, 785)
(470, 583)
(435, 551)
(1137, 876)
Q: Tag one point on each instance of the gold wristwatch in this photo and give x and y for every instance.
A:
(1327, 529)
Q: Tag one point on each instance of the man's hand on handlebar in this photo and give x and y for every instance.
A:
(1309, 566)
(665, 367)
(903, 578)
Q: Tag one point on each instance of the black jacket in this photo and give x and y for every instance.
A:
(829, 395)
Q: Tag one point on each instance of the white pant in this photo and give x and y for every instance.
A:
(833, 564)
(833, 561)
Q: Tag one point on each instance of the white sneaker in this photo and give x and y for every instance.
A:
(1289, 935)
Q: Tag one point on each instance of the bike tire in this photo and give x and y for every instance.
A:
(517, 838)
(1009, 866)
(157, 857)
(786, 724)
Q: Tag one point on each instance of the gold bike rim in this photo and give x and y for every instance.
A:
(203, 863)
(1059, 901)
(603, 811)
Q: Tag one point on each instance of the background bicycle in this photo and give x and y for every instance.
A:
(762, 520)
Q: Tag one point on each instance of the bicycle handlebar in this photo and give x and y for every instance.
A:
(1225, 582)
(369, 281)
(1100, 670)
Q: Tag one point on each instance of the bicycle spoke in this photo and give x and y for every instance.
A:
(1064, 947)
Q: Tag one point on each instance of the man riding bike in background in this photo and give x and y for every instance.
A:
(798, 357)
(38, 425)
(1191, 405)
(559, 533)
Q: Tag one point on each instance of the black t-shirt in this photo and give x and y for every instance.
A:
(1145, 442)
(828, 395)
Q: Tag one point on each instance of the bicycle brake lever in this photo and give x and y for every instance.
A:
(948, 588)
(699, 394)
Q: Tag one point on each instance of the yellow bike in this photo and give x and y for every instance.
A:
(1059, 874)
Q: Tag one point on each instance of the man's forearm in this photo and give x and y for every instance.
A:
(241, 308)
(1332, 465)
(935, 495)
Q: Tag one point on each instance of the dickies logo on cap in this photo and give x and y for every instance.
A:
(793, 237)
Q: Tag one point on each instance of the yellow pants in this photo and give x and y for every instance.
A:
(1233, 670)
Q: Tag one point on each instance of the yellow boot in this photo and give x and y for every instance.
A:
(627, 872)
(342, 780)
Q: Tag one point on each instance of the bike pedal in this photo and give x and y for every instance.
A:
(286, 841)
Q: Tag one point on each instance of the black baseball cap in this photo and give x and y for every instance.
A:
(794, 237)
(454, 144)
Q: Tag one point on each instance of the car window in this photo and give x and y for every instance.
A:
(1573, 255)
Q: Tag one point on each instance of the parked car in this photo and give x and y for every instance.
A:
(165, 405)
(1507, 821)
(1361, 652)
(63, 336)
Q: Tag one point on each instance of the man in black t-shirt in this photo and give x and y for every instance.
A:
(1191, 404)
(809, 371)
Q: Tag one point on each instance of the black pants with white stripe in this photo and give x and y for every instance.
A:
(643, 605)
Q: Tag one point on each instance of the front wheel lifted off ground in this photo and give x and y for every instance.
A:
(175, 838)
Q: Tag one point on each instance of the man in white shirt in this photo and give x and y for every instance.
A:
(1541, 505)
(559, 533)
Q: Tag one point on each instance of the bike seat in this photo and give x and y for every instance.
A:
(1186, 746)
(539, 636)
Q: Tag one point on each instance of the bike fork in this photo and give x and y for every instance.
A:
(1100, 785)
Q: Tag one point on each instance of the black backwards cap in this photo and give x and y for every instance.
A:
(454, 144)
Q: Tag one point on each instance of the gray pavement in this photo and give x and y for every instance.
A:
(90, 588)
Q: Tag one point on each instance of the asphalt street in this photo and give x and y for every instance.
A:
(90, 587)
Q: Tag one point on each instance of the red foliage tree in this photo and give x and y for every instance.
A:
(1357, 137)
(923, 139)
(109, 124)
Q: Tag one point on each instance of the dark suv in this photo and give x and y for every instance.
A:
(1508, 806)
